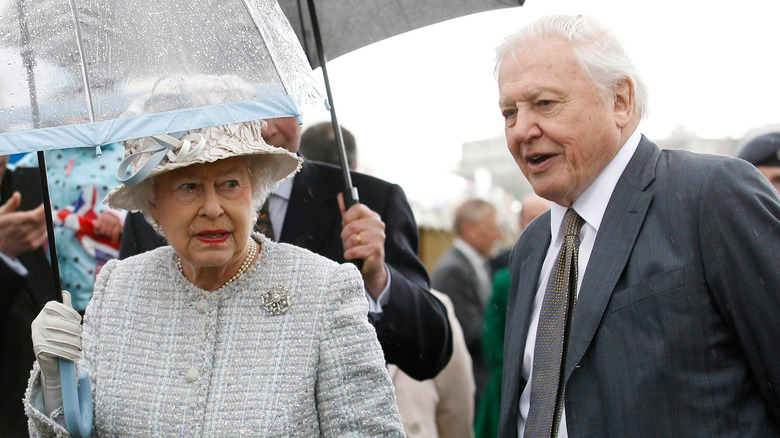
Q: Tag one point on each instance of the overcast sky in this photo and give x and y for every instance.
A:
(711, 66)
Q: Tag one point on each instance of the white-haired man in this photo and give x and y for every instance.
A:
(676, 328)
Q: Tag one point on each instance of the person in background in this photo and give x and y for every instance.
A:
(489, 409)
(670, 257)
(26, 284)
(443, 406)
(764, 153)
(86, 232)
(463, 274)
(380, 232)
(318, 143)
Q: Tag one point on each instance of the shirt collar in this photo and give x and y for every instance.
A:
(470, 253)
(592, 203)
(284, 189)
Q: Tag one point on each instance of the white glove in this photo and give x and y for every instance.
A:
(56, 333)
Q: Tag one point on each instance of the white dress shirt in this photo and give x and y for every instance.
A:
(278, 201)
(591, 206)
(15, 264)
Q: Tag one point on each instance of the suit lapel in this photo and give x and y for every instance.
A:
(473, 288)
(616, 237)
(309, 216)
(522, 290)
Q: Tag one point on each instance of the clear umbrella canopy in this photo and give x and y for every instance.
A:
(71, 68)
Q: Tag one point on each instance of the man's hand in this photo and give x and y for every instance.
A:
(21, 231)
(363, 237)
(108, 225)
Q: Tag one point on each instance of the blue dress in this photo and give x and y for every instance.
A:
(72, 173)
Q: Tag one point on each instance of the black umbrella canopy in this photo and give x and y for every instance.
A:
(330, 28)
(346, 25)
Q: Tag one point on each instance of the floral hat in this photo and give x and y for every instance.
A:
(151, 156)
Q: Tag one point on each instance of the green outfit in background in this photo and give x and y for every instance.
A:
(489, 409)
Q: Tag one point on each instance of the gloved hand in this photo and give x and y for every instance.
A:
(56, 332)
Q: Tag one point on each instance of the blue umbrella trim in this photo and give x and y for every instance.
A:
(100, 133)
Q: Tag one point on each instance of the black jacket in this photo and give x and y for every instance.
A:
(21, 298)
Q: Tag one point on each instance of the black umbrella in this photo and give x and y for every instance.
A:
(346, 25)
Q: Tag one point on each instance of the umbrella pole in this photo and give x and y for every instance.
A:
(351, 193)
(55, 267)
(29, 62)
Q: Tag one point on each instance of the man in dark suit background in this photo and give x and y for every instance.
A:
(676, 327)
(308, 211)
(463, 274)
(26, 285)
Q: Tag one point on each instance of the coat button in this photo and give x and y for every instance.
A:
(203, 305)
(192, 375)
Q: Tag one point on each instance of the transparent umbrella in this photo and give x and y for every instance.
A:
(105, 53)
(70, 71)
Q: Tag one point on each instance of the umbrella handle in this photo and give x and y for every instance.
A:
(77, 404)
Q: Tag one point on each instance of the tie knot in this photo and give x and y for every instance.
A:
(264, 224)
(572, 223)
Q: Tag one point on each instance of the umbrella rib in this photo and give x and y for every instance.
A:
(271, 53)
(80, 46)
(304, 40)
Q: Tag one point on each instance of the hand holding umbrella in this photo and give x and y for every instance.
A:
(363, 237)
(56, 333)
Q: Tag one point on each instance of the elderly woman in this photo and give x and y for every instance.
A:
(224, 332)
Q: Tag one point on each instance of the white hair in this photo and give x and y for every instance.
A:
(600, 54)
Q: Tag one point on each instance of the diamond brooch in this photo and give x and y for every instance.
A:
(276, 301)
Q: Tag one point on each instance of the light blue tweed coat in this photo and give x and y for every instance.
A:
(168, 359)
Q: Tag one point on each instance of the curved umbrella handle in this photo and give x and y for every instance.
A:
(77, 406)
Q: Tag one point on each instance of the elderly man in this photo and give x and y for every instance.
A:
(676, 329)
(307, 211)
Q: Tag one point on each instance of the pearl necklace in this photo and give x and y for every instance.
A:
(250, 257)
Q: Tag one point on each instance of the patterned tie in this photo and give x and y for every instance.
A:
(552, 336)
(264, 224)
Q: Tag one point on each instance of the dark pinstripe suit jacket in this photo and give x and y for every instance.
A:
(677, 326)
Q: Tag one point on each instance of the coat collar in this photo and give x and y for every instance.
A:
(313, 196)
